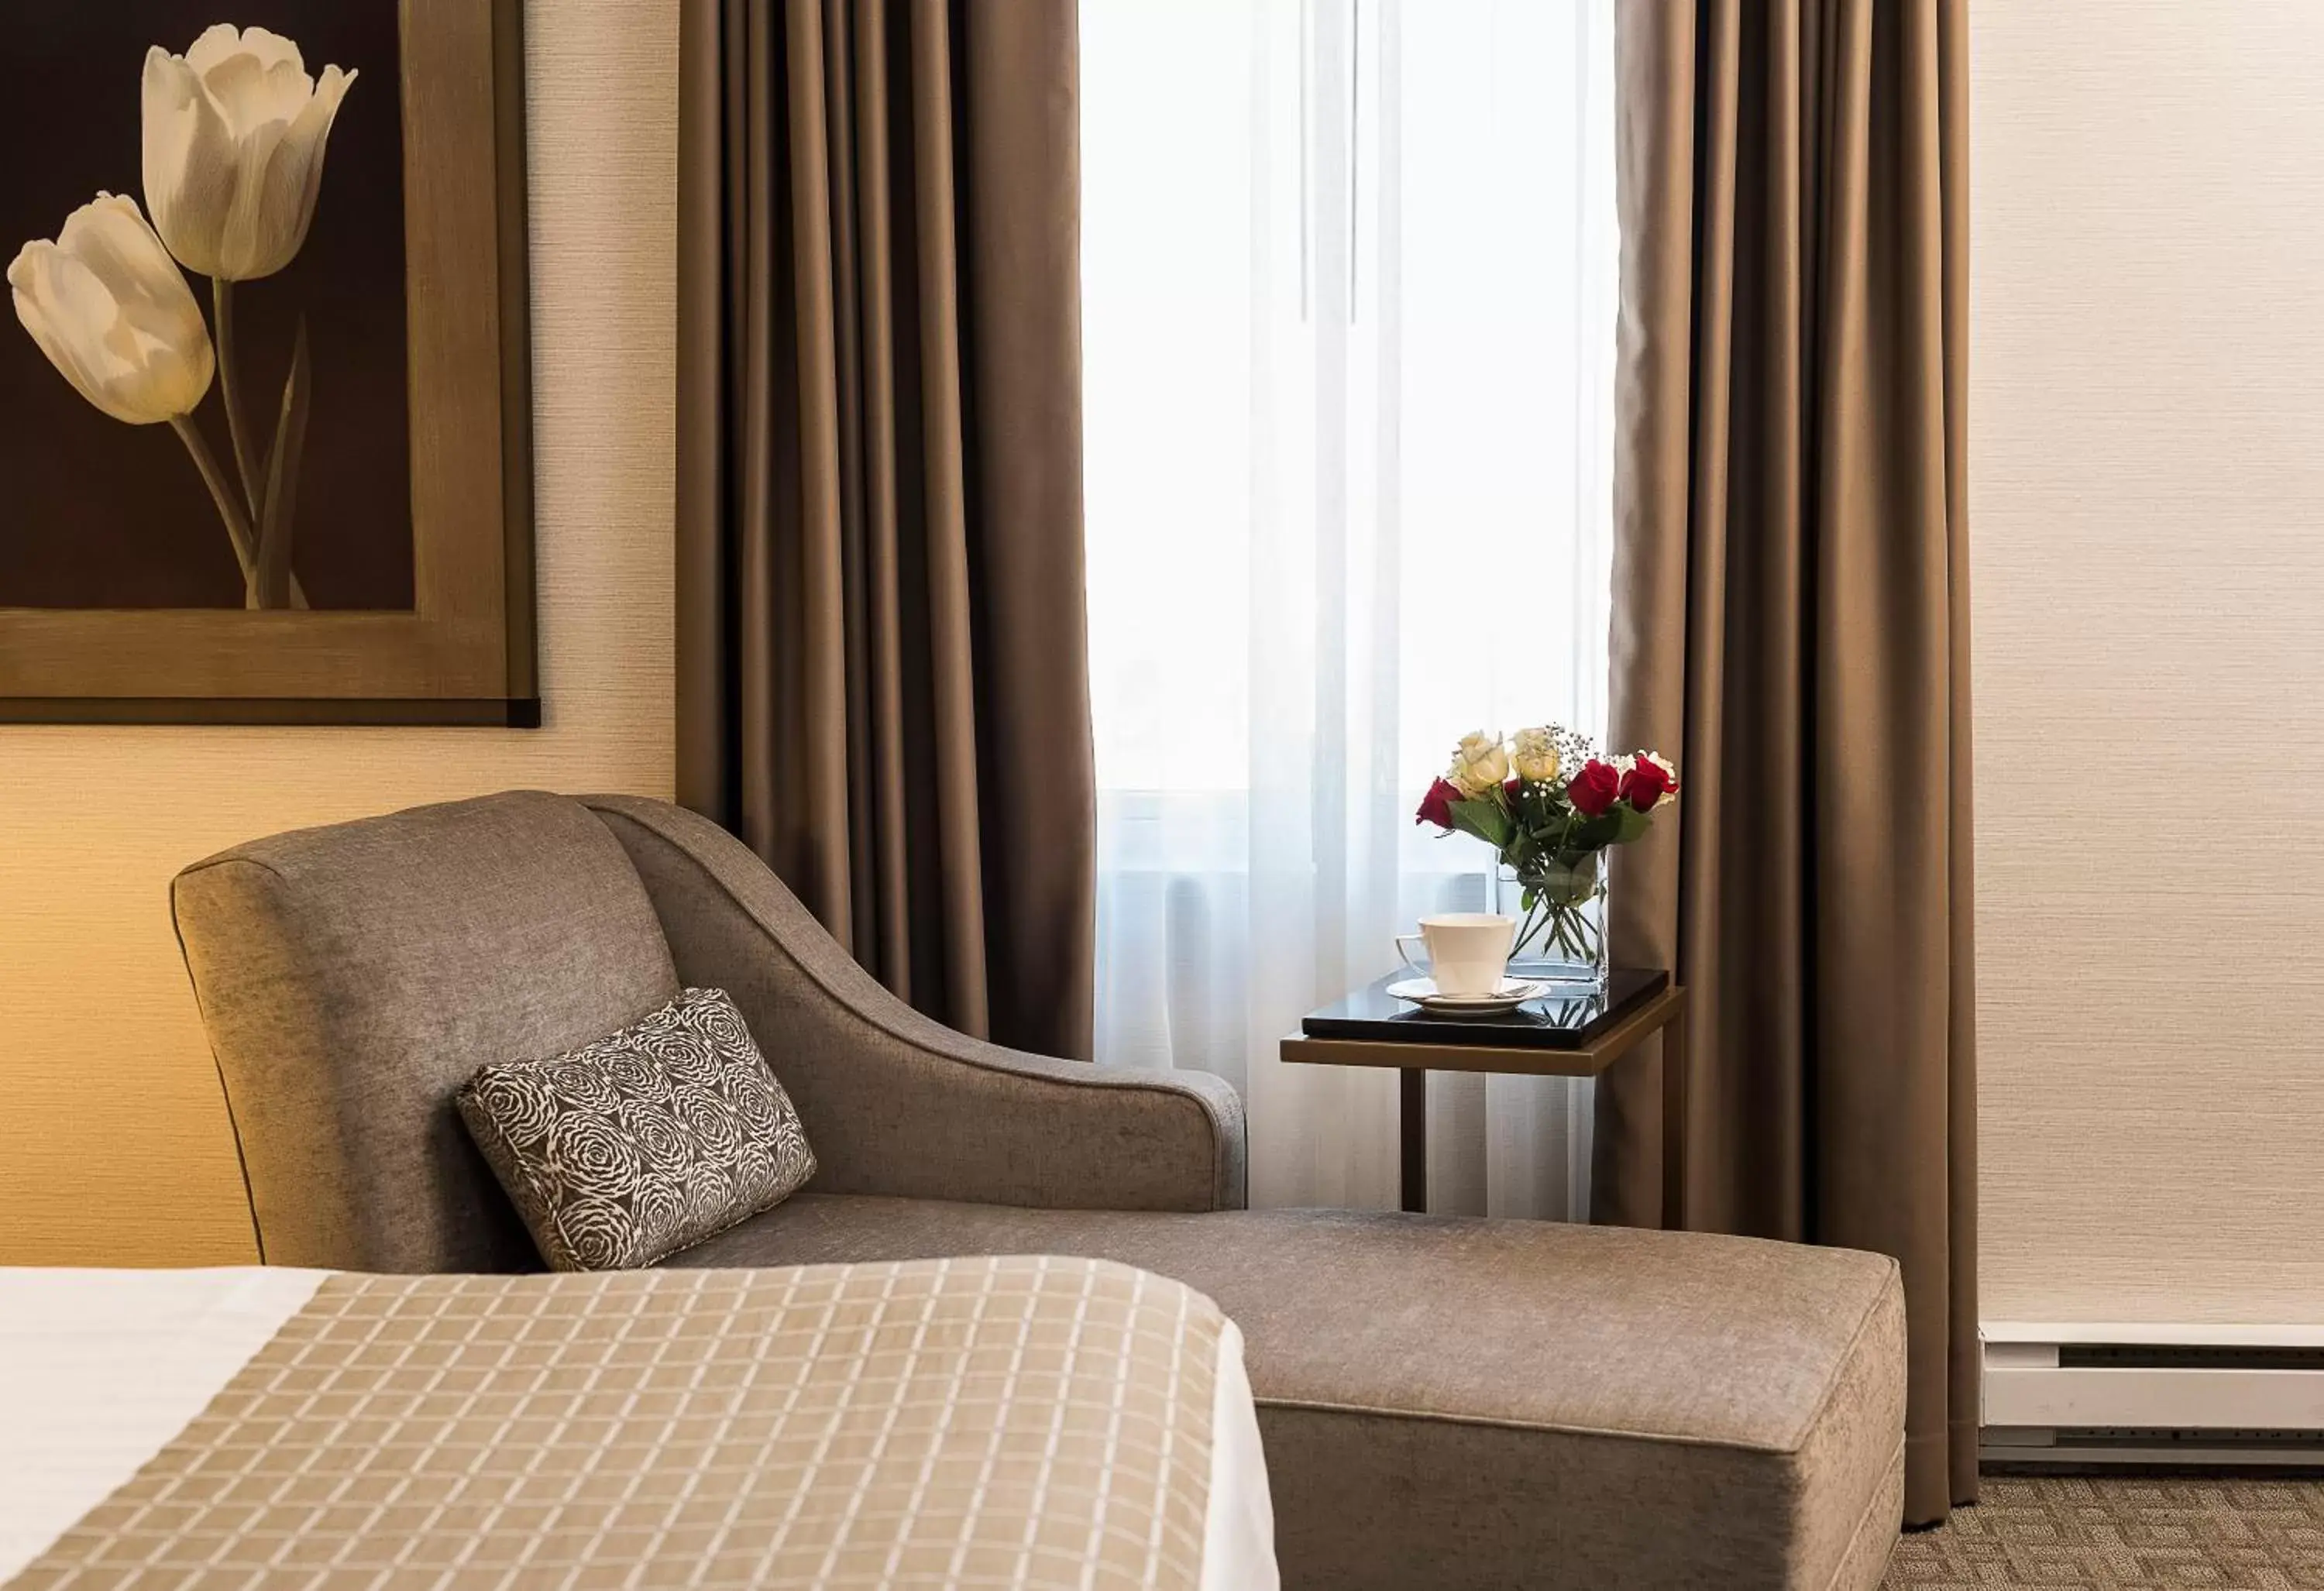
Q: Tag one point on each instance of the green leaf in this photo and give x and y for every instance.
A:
(1599, 832)
(271, 576)
(1635, 824)
(1485, 820)
(1570, 881)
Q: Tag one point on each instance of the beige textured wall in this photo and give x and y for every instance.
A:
(114, 1143)
(2147, 499)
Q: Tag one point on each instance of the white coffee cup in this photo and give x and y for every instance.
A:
(1467, 951)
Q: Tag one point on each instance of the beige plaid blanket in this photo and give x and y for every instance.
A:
(1020, 1422)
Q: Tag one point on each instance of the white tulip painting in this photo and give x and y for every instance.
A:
(271, 259)
(233, 135)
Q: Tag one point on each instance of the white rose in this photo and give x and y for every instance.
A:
(235, 131)
(109, 308)
(1535, 755)
(1479, 764)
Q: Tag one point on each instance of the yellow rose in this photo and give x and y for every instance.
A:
(1535, 755)
(1479, 764)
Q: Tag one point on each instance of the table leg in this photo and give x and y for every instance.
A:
(1674, 1080)
(1412, 1120)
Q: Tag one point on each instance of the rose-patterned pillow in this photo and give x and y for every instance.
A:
(623, 1152)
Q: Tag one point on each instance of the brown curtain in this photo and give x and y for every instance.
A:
(882, 685)
(1792, 618)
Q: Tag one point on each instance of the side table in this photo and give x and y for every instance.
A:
(1551, 1037)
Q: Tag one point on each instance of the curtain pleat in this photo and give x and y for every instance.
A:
(1791, 612)
(882, 681)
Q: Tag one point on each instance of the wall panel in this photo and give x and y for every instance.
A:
(2147, 417)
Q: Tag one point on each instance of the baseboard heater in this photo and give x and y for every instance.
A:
(2094, 1394)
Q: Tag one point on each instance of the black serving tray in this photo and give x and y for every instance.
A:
(1550, 1022)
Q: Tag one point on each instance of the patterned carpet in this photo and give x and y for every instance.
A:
(2068, 1532)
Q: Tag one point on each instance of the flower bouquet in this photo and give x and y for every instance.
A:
(1552, 829)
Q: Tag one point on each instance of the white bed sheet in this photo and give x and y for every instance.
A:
(1239, 1524)
(99, 1369)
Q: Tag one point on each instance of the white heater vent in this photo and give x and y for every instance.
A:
(2113, 1393)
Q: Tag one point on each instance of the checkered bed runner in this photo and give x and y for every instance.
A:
(979, 1422)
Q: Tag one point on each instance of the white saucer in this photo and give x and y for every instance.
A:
(1421, 992)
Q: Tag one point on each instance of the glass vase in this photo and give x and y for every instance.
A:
(1560, 912)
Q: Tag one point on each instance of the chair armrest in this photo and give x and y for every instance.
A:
(895, 1103)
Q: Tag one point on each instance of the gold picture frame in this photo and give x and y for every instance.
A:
(464, 653)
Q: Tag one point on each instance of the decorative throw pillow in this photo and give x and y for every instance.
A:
(623, 1152)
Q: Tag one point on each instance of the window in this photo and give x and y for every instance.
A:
(1349, 280)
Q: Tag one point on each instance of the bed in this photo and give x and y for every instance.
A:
(1029, 1423)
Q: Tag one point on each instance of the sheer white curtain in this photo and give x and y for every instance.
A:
(1349, 276)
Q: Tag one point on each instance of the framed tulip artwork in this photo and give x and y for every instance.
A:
(263, 403)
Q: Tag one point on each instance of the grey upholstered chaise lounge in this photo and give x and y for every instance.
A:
(1444, 1402)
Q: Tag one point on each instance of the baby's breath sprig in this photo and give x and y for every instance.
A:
(1574, 747)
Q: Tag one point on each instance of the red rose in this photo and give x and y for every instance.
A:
(1515, 788)
(1436, 806)
(1593, 789)
(1647, 782)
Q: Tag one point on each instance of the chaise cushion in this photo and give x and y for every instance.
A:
(1457, 1402)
